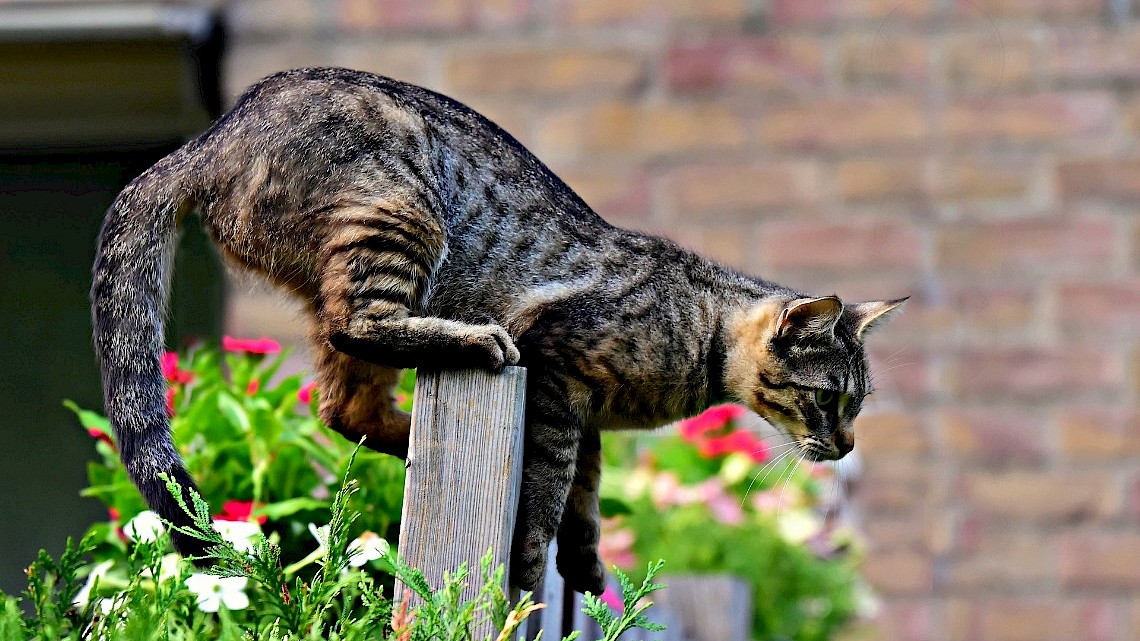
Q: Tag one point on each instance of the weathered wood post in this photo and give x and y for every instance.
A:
(463, 472)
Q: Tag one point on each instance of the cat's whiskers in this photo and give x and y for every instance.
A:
(791, 473)
(771, 467)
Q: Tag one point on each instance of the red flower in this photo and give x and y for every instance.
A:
(305, 394)
(739, 441)
(100, 435)
(113, 513)
(239, 511)
(261, 345)
(252, 387)
(713, 419)
(170, 393)
(171, 372)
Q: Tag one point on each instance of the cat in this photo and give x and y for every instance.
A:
(417, 233)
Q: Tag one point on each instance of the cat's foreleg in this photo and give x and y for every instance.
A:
(376, 269)
(579, 533)
(549, 455)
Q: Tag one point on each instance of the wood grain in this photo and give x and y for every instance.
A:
(464, 471)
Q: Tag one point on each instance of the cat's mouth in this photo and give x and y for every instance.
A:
(815, 450)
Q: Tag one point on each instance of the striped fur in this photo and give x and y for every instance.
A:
(419, 234)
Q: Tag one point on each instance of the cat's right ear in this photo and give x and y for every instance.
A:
(874, 313)
(809, 316)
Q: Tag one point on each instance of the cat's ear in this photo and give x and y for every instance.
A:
(873, 313)
(809, 316)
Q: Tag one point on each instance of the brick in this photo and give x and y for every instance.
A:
(1035, 119)
(652, 130)
(1057, 245)
(428, 16)
(271, 16)
(617, 194)
(725, 243)
(901, 373)
(711, 190)
(889, 434)
(407, 61)
(1100, 433)
(1099, 309)
(1093, 55)
(895, 487)
(990, 62)
(1027, 618)
(1010, 562)
(893, 532)
(870, 180)
(989, 10)
(861, 124)
(867, 243)
(889, 10)
(875, 61)
(898, 572)
(543, 72)
(1037, 497)
(250, 61)
(749, 65)
(1100, 178)
(996, 436)
(981, 177)
(1033, 374)
(652, 14)
(993, 308)
(1103, 561)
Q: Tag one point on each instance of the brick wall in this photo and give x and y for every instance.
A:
(979, 155)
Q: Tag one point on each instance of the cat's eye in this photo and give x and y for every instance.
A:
(824, 397)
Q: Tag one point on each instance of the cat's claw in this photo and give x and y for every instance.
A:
(499, 346)
(583, 573)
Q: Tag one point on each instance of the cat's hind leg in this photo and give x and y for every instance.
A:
(356, 401)
(376, 270)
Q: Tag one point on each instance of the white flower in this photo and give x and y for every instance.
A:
(321, 534)
(97, 573)
(241, 534)
(168, 568)
(145, 527)
(366, 547)
(797, 526)
(214, 592)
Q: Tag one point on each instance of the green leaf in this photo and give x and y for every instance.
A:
(89, 419)
(232, 409)
(281, 509)
(611, 507)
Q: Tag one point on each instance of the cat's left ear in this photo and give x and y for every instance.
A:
(873, 313)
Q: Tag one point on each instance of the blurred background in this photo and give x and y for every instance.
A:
(979, 155)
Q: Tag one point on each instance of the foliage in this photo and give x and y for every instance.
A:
(712, 498)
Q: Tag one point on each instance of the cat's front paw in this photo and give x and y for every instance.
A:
(583, 570)
(496, 347)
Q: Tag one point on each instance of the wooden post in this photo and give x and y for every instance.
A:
(464, 471)
(708, 607)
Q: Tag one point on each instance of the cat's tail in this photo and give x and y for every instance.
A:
(129, 296)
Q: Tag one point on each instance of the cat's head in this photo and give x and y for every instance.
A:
(800, 364)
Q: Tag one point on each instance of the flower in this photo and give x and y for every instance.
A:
(213, 592)
(239, 511)
(741, 441)
(366, 547)
(305, 394)
(261, 345)
(321, 534)
(797, 526)
(252, 387)
(610, 597)
(97, 573)
(241, 534)
(100, 435)
(723, 507)
(145, 527)
(712, 419)
(170, 393)
(616, 546)
(171, 371)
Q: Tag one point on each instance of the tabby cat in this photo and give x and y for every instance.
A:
(419, 234)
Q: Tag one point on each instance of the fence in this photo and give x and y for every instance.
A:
(463, 474)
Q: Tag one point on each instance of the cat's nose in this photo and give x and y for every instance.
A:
(844, 441)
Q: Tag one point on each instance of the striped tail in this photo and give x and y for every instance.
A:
(129, 297)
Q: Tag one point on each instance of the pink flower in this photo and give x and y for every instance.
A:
(741, 441)
(712, 419)
(261, 345)
(252, 387)
(305, 394)
(723, 507)
(616, 548)
(171, 372)
(239, 511)
(610, 597)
